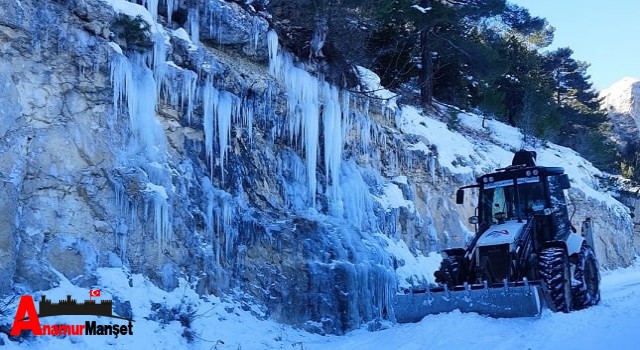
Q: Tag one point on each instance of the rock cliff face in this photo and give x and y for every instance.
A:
(179, 141)
(622, 102)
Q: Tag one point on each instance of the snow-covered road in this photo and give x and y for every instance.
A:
(613, 324)
(218, 324)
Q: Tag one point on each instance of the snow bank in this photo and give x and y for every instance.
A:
(371, 85)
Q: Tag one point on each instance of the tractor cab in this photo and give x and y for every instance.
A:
(518, 192)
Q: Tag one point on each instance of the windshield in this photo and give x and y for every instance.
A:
(499, 203)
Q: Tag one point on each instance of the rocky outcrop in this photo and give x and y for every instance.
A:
(194, 148)
(622, 103)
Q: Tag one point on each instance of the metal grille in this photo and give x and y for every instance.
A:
(499, 261)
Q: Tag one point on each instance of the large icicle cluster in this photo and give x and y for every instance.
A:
(137, 83)
(319, 118)
(309, 99)
(219, 109)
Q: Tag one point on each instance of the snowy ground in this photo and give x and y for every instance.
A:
(225, 325)
(612, 324)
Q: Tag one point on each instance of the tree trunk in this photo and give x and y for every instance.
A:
(558, 87)
(426, 73)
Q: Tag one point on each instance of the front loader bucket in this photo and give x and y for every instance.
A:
(504, 301)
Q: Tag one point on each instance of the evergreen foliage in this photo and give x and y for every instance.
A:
(134, 31)
(482, 54)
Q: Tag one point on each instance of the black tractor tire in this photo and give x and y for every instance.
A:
(585, 291)
(452, 271)
(555, 272)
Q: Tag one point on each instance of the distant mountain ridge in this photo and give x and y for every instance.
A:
(622, 103)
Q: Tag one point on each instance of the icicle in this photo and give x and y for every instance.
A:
(162, 219)
(122, 201)
(357, 200)
(227, 213)
(160, 64)
(194, 25)
(250, 126)
(303, 106)
(255, 32)
(223, 122)
(189, 81)
(134, 82)
(247, 113)
(122, 236)
(152, 7)
(207, 189)
(218, 109)
(214, 21)
(347, 120)
(171, 6)
(432, 167)
(332, 122)
(294, 185)
(274, 61)
(209, 94)
(364, 128)
(303, 110)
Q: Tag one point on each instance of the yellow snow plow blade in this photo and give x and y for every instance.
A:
(509, 300)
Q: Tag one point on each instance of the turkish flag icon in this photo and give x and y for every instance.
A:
(94, 293)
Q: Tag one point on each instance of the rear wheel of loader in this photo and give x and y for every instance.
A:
(586, 292)
(555, 272)
(451, 271)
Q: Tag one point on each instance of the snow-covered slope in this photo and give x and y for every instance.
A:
(471, 150)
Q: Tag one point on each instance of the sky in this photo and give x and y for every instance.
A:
(604, 34)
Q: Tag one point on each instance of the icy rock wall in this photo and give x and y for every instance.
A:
(157, 154)
(196, 147)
